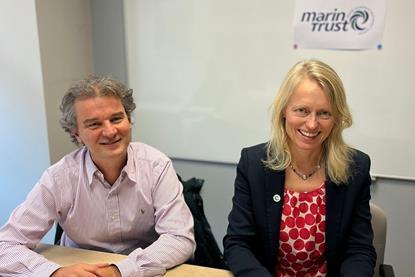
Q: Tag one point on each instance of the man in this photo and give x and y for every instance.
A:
(110, 194)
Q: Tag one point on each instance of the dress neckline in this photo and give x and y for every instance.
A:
(320, 187)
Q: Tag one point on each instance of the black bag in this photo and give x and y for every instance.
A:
(207, 250)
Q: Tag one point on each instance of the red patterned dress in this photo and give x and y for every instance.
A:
(302, 234)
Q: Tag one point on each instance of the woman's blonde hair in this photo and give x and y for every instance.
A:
(336, 153)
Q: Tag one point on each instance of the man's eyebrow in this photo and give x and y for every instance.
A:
(94, 119)
(118, 114)
(89, 120)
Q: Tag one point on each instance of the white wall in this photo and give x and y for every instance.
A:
(23, 139)
(108, 38)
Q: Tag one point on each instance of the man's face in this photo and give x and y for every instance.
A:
(103, 127)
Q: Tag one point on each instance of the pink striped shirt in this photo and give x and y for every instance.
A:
(143, 214)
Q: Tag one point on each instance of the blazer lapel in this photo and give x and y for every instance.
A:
(334, 210)
(274, 199)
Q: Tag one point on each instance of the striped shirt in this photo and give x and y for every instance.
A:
(143, 214)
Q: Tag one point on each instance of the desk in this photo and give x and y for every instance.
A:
(66, 256)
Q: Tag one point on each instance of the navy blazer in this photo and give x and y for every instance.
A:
(252, 239)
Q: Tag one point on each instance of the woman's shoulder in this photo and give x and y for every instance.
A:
(254, 155)
(258, 148)
(359, 156)
(360, 163)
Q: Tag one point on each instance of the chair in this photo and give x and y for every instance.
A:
(58, 234)
(379, 241)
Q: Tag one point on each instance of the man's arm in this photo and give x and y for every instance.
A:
(26, 226)
(28, 223)
(174, 224)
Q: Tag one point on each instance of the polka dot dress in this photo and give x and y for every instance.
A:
(302, 234)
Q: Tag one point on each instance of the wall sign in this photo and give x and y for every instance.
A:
(339, 24)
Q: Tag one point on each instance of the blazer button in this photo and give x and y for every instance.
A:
(276, 198)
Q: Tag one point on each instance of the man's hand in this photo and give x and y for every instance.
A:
(109, 271)
(88, 270)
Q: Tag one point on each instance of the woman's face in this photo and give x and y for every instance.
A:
(308, 117)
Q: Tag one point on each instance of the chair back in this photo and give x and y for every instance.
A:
(379, 234)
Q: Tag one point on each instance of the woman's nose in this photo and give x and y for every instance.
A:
(312, 122)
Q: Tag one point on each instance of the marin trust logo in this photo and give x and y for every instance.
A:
(359, 19)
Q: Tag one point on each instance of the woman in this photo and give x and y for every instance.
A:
(301, 203)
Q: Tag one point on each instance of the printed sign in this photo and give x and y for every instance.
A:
(339, 24)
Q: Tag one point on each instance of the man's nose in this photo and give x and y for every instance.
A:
(109, 130)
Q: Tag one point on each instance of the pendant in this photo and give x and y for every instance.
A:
(304, 176)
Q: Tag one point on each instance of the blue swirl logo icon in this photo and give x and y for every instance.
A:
(361, 19)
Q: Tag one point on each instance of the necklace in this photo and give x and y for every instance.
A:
(305, 176)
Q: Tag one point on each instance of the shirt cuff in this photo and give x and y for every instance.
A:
(46, 269)
(128, 268)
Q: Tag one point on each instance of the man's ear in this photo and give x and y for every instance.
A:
(78, 138)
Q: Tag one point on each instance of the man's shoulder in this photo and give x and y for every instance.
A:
(70, 160)
(146, 152)
(67, 168)
(145, 158)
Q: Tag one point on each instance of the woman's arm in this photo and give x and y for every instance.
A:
(359, 257)
(241, 234)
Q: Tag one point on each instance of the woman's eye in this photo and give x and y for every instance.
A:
(301, 111)
(324, 114)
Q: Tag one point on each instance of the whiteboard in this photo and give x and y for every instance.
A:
(205, 72)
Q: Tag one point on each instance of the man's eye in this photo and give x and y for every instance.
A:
(117, 119)
(93, 125)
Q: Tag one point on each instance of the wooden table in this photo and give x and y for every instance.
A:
(66, 256)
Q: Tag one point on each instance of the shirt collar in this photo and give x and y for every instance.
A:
(90, 166)
(128, 170)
